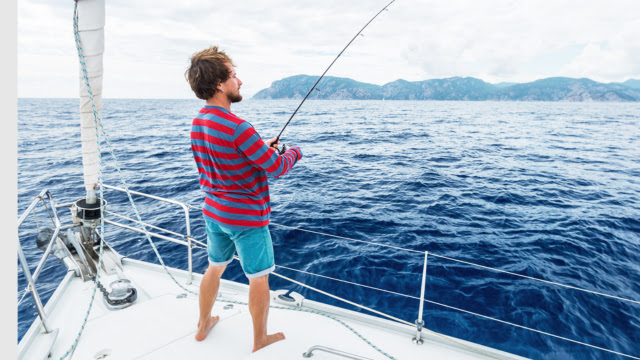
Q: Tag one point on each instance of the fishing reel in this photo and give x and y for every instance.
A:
(284, 148)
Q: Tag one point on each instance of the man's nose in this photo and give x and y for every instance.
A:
(239, 81)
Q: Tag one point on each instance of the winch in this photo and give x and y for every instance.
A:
(87, 210)
(122, 294)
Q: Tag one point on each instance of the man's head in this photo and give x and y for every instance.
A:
(212, 72)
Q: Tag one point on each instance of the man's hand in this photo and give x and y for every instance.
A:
(272, 143)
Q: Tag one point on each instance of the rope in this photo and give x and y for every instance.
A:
(73, 347)
(346, 238)
(462, 261)
(98, 122)
(157, 228)
(382, 314)
(36, 218)
(46, 207)
(317, 313)
(23, 296)
(536, 279)
(349, 282)
(345, 300)
(436, 303)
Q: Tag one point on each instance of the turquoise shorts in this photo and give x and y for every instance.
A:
(254, 248)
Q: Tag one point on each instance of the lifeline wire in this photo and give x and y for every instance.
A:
(383, 314)
(534, 330)
(455, 308)
(462, 261)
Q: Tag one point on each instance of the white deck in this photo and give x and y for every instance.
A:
(161, 326)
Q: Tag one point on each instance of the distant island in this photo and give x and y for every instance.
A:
(454, 88)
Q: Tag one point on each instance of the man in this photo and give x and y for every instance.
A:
(233, 162)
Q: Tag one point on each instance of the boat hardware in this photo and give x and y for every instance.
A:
(288, 297)
(61, 248)
(419, 323)
(89, 214)
(31, 287)
(122, 294)
(281, 151)
(309, 353)
(102, 354)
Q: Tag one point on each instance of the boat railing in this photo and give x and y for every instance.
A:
(191, 243)
(32, 278)
(182, 239)
(419, 323)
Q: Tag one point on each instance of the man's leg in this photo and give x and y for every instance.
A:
(259, 309)
(208, 293)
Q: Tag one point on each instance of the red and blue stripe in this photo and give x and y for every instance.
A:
(233, 163)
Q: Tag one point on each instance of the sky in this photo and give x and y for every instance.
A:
(148, 43)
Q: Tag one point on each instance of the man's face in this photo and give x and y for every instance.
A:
(231, 87)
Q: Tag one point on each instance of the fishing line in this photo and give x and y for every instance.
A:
(314, 85)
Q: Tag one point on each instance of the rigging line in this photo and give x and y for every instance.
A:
(383, 314)
(36, 217)
(436, 303)
(334, 60)
(534, 330)
(348, 282)
(23, 295)
(46, 208)
(346, 238)
(345, 300)
(154, 227)
(464, 262)
(537, 279)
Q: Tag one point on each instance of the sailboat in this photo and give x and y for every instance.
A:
(109, 306)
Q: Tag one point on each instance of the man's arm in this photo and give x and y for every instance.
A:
(261, 154)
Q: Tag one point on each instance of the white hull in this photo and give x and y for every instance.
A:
(159, 325)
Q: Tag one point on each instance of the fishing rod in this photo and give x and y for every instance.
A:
(281, 151)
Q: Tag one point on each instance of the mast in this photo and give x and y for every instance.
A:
(91, 20)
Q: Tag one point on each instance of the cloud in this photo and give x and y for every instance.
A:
(148, 43)
(614, 60)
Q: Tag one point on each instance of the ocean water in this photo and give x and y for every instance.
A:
(547, 190)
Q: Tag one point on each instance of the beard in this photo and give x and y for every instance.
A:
(234, 98)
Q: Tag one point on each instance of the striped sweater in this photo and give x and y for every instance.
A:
(233, 163)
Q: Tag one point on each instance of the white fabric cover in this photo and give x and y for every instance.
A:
(91, 29)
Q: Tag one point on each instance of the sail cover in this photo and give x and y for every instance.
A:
(91, 29)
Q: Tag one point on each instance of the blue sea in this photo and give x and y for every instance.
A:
(547, 190)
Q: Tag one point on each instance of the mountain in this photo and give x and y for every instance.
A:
(632, 83)
(567, 89)
(331, 88)
(504, 84)
(454, 88)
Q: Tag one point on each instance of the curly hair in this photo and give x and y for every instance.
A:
(208, 69)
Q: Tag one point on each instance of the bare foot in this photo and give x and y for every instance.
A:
(203, 329)
(268, 341)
